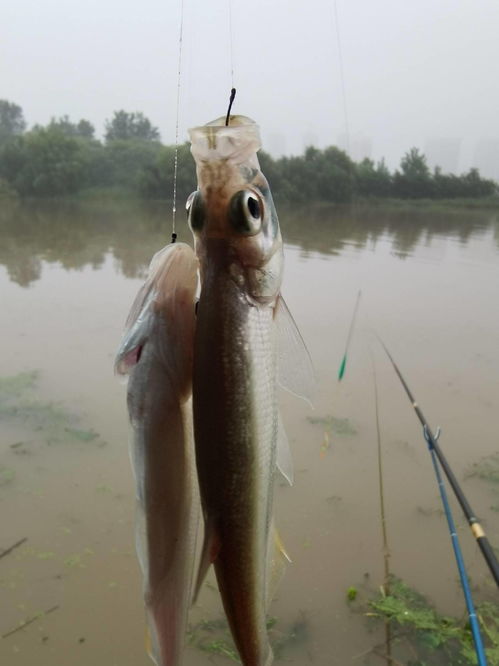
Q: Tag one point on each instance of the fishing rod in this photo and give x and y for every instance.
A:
(343, 363)
(476, 529)
(474, 625)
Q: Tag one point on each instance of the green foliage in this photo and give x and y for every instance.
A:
(64, 158)
(6, 475)
(127, 160)
(352, 593)
(7, 192)
(125, 126)
(414, 179)
(12, 121)
(332, 424)
(487, 469)
(373, 180)
(321, 175)
(433, 634)
(213, 637)
(156, 179)
(50, 421)
(43, 162)
(83, 129)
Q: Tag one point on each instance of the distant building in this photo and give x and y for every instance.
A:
(275, 144)
(444, 152)
(358, 146)
(309, 139)
(486, 157)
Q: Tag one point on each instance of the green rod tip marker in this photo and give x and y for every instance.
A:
(341, 371)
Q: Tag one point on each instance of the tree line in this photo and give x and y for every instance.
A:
(65, 158)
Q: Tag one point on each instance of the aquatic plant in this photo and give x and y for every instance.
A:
(213, 636)
(52, 421)
(486, 469)
(333, 424)
(415, 622)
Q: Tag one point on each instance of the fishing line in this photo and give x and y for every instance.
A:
(384, 530)
(175, 161)
(342, 76)
(230, 43)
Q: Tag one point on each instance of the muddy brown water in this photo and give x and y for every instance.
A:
(430, 288)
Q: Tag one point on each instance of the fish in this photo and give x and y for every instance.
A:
(235, 371)
(156, 352)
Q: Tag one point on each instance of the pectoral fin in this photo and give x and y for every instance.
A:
(295, 369)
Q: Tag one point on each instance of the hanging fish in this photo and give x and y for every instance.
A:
(239, 246)
(156, 352)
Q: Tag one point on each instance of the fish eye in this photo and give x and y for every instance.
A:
(246, 212)
(195, 211)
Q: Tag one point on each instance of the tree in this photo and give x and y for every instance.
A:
(373, 180)
(413, 165)
(414, 180)
(126, 126)
(156, 179)
(12, 121)
(83, 129)
(44, 162)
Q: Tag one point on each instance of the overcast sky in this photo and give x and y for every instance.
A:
(419, 73)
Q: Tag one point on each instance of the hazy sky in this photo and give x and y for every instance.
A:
(419, 73)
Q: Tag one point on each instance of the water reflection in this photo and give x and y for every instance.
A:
(76, 234)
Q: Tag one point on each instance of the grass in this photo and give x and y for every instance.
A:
(417, 625)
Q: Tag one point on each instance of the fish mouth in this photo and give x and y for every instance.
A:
(237, 142)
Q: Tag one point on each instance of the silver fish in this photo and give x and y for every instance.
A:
(239, 246)
(156, 351)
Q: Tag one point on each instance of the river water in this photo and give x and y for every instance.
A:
(430, 289)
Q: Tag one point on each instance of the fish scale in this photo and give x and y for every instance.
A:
(235, 440)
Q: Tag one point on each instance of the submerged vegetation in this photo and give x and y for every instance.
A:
(50, 422)
(65, 158)
(213, 637)
(418, 629)
(487, 469)
(333, 425)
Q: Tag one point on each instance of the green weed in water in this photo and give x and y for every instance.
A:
(352, 593)
(82, 435)
(213, 636)
(52, 421)
(342, 427)
(6, 475)
(13, 387)
(487, 469)
(432, 634)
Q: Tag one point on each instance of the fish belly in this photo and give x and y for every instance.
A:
(167, 522)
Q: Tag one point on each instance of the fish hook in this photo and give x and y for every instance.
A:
(231, 100)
